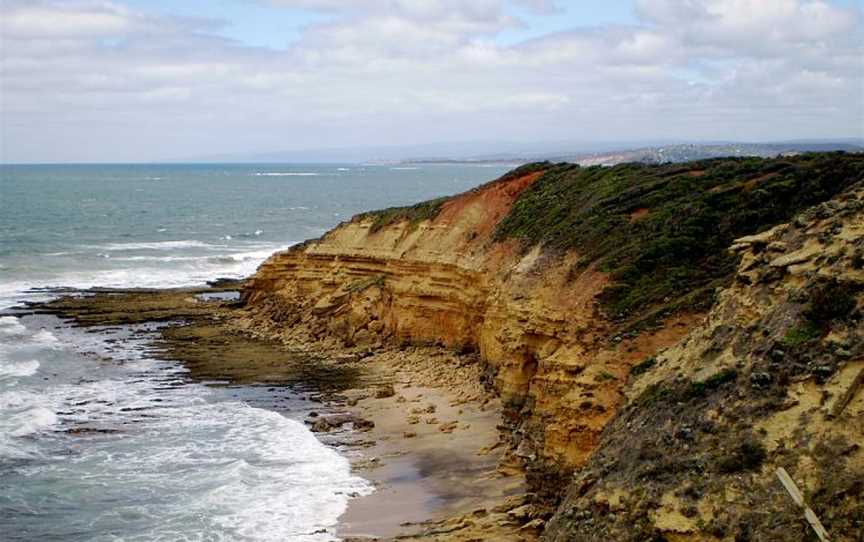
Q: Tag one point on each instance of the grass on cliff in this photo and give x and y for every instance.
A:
(413, 214)
(662, 231)
(429, 210)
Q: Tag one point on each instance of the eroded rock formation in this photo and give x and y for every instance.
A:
(664, 424)
(532, 316)
(770, 378)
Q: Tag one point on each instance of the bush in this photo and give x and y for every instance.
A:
(803, 333)
(429, 210)
(676, 254)
(414, 214)
(748, 456)
(643, 366)
(831, 300)
(701, 388)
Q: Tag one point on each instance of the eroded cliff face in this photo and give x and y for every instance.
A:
(770, 378)
(532, 316)
(674, 429)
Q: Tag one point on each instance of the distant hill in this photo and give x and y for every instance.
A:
(510, 152)
(660, 154)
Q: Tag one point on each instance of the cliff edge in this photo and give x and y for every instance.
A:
(636, 355)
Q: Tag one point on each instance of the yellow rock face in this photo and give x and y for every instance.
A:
(532, 316)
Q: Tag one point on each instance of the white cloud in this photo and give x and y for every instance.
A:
(48, 21)
(81, 77)
(751, 25)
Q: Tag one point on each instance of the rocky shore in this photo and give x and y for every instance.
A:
(416, 421)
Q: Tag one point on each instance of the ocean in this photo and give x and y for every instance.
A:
(102, 440)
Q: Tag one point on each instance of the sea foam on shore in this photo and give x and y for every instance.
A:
(90, 421)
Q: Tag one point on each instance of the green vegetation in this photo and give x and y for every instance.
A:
(831, 300)
(604, 376)
(655, 393)
(803, 333)
(414, 214)
(643, 366)
(748, 456)
(685, 391)
(662, 231)
(701, 388)
(428, 210)
(826, 302)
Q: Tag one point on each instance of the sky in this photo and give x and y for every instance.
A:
(150, 80)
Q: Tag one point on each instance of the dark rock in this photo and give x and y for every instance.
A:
(760, 381)
(385, 391)
(822, 373)
(684, 433)
(325, 424)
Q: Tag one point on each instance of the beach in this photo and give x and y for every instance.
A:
(414, 421)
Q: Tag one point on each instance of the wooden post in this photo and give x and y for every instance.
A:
(796, 495)
(846, 398)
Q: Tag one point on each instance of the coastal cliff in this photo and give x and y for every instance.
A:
(771, 378)
(597, 299)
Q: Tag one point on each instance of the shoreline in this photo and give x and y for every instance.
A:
(429, 445)
(435, 458)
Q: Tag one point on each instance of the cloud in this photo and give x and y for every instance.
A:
(753, 26)
(88, 80)
(64, 21)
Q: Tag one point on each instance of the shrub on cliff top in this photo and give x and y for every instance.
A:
(830, 300)
(662, 231)
(429, 210)
(413, 214)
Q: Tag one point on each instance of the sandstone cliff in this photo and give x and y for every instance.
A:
(531, 317)
(585, 292)
(770, 378)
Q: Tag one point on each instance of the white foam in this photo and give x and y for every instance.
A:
(9, 325)
(44, 338)
(22, 414)
(267, 477)
(162, 258)
(217, 468)
(287, 174)
(31, 421)
(18, 368)
(255, 255)
(188, 271)
(156, 245)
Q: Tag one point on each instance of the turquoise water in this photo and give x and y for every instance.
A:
(171, 225)
(100, 440)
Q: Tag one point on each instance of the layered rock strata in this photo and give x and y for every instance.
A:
(673, 431)
(531, 316)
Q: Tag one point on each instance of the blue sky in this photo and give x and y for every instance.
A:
(251, 23)
(266, 25)
(263, 24)
(142, 80)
